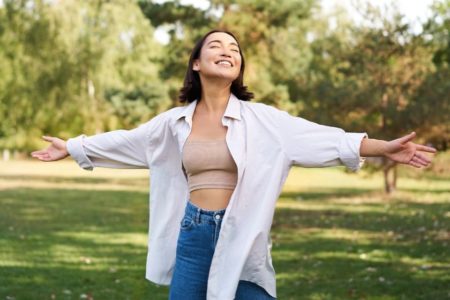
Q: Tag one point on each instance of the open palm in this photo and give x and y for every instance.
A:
(403, 151)
(55, 151)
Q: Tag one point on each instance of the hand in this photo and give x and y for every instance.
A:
(56, 151)
(403, 151)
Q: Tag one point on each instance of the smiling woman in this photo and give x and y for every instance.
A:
(220, 47)
(218, 165)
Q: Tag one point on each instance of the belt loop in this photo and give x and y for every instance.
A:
(198, 216)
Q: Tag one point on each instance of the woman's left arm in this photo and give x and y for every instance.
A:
(401, 150)
(309, 144)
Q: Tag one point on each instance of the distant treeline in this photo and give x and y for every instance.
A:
(71, 67)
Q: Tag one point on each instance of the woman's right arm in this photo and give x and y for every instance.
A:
(113, 149)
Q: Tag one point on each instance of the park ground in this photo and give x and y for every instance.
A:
(66, 233)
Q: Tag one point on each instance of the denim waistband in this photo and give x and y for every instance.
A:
(201, 214)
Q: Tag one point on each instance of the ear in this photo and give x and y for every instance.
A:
(196, 65)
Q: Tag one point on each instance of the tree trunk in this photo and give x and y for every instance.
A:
(6, 154)
(394, 177)
(390, 182)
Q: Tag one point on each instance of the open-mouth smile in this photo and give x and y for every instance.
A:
(225, 63)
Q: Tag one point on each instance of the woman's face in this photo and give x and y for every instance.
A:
(219, 57)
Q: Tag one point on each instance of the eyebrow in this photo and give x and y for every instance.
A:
(232, 43)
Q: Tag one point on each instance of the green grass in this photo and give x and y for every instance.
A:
(70, 234)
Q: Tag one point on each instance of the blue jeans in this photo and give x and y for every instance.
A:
(195, 248)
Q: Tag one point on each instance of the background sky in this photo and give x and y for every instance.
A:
(414, 11)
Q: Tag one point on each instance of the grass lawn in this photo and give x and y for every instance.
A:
(66, 233)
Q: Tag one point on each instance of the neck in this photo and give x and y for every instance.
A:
(214, 98)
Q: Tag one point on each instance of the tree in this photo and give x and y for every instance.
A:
(186, 24)
(272, 35)
(374, 75)
(436, 87)
(72, 67)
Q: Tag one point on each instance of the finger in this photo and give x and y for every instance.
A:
(40, 157)
(40, 152)
(407, 138)
(423, 157)
(45, 158)
(414, 164)
(419, 161)
(425, 148)
(47, 138)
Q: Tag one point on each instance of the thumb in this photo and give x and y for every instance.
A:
(407, 138)
(47, 138)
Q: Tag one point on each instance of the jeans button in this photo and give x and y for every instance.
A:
(217, 217)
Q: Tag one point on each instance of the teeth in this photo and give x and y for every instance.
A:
(224, 62)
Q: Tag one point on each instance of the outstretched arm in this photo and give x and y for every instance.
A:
(401, 150)
(113, 149)
(313, 145)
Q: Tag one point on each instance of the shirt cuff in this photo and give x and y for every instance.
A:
(75, 149)
(349, 150)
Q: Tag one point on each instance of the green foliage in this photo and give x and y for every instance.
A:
(438, 26)
(365, 80)
(69, 67)
(273, 35)
(380, 78)
(185, 24)
(62, 61)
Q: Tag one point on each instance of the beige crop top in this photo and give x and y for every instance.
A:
(209, 164)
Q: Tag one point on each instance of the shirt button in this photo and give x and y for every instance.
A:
(217, 217)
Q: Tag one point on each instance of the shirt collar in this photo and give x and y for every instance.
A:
(233, 109)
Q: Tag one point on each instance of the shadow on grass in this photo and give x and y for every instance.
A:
(74, 242)
(421, 191)
(55, 179)
(327, 193)
(340, 275)
(70, 283)
(394, 252)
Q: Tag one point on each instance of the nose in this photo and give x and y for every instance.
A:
(226, 52)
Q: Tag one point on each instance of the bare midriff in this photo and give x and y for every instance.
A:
(211, 199)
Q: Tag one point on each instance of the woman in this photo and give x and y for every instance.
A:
(217, 167)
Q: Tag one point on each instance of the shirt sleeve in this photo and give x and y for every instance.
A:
(309, 144)
(122, 149)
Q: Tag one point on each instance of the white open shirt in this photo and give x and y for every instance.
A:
(265, 143)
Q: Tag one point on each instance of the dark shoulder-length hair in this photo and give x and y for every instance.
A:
(192, 87)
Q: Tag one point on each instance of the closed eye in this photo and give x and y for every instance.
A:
(215, 46)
